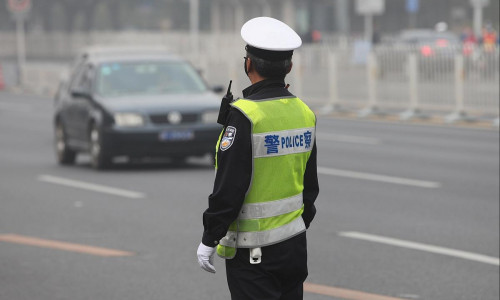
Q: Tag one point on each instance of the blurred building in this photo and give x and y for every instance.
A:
(327, 16)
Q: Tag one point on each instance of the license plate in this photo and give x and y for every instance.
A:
(177, 135)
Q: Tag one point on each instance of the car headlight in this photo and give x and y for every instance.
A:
(128, 119)
(210, 116)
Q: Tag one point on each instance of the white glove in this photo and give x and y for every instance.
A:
(206, 257)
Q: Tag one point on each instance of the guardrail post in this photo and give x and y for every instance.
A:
(21, 51)
(459, 113)
(372, 73)
(413, 75)
(333, 91)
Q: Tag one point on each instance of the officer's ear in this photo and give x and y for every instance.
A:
(249, 64)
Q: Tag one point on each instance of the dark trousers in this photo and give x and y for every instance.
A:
(280, 275)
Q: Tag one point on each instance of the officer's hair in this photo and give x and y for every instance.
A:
(270, 69)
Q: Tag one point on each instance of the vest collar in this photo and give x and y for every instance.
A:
(264, 84)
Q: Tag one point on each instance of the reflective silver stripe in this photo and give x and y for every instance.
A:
(271, 208)
(283, 142)
(268, 237)
(229, 240)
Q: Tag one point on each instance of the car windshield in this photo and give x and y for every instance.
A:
(147, 78)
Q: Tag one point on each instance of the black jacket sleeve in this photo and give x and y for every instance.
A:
(311, 188)
(232, 181)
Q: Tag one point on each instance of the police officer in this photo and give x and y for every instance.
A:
(266, 180)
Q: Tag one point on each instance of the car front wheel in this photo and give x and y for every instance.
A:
(98, 152)
(65, 156)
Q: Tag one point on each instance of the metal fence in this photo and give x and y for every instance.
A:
(454, 84)
(338, 75)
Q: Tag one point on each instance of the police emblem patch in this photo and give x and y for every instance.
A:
(228, 138)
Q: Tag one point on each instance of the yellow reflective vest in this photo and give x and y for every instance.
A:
(283, 134)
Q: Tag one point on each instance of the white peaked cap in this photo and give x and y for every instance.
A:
(270, 34)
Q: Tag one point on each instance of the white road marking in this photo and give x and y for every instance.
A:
(347, 138)
(90, 186)
(378, 177)
(422, 247)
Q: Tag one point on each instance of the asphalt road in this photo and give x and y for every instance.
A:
(405, 212)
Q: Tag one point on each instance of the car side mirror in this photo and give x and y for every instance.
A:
(218, 89)
(80, 93)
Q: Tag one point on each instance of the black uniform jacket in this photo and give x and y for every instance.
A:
(234, 171)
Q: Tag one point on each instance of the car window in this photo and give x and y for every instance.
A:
(147, 78)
